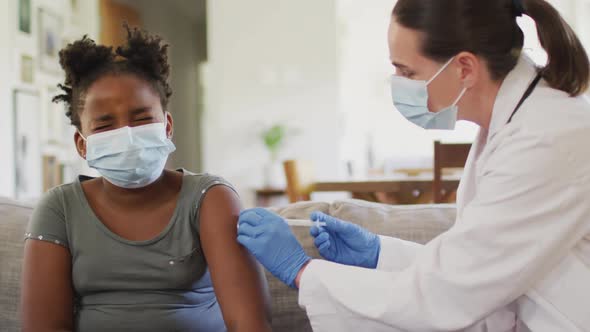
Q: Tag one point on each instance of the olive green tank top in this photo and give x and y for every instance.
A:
(157, 285)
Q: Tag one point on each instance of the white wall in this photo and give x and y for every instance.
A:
(322, 67)
(581, 11)
(14, 43)
(266, 58)
(366, 95)
(576, 13)
(271, 61)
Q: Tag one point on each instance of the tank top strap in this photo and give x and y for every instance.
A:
(197, 187)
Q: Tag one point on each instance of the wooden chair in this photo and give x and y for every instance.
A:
(299, 176)
(447, 156)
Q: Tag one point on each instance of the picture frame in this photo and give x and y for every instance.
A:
(27, 144)
(51, 28)
(24, 16)
(27, 69)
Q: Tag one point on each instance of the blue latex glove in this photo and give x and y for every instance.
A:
(345, 243)
(268, 237)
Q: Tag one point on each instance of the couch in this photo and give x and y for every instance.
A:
(413, 223)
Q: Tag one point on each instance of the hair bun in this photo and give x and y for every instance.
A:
(146, 53)
(82, 58)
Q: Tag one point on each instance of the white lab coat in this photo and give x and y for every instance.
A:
(518, 257)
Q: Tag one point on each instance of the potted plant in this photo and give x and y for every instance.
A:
(273, 139)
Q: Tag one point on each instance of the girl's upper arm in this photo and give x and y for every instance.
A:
(238, 280)
(47, 294)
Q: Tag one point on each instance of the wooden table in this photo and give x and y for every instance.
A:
(266, 196)
(396, 189)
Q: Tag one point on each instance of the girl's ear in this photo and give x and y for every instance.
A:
(169, 125)
(80, 142)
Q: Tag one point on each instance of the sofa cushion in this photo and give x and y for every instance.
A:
(418, 223)
(301, 210)
(14, 218)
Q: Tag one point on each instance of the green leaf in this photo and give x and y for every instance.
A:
(273, 137)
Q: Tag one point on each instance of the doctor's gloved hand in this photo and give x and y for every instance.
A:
(268, 237)
(345, 243)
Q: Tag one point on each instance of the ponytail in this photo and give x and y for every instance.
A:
(568, 68)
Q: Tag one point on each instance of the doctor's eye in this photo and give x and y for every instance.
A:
(405, 73)
(410, 74)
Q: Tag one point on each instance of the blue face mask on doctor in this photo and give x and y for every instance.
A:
(130, 157)
(410, 97)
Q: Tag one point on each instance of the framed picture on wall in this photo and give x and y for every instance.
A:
(27, 145)
(27, 69)
(50, 40)
(24, 16)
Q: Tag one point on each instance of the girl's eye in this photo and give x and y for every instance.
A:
(145, 119)
(101, 127)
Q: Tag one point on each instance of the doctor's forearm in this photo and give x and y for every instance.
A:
(300, 273)
(396, 254)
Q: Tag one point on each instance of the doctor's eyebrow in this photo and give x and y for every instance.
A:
(403, 70)
(399, 65)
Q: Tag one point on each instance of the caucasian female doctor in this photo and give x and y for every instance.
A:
(518, 257)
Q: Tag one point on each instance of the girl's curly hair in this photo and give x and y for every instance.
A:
(84, 62)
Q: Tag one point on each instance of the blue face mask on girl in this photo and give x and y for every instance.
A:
(410, 97)
(130, 157)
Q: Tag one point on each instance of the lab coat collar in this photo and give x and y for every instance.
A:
(510, 93)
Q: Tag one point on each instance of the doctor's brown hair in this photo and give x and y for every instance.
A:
(488, 28)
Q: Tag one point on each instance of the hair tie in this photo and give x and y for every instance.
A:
(518, 8)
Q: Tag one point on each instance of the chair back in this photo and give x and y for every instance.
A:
(299, 175)
(447, 156)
